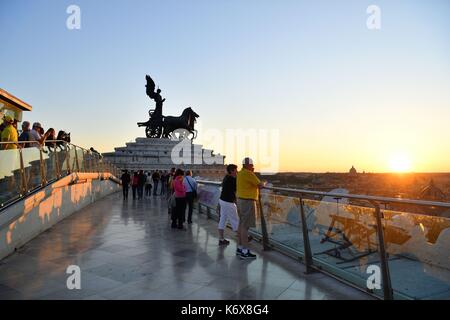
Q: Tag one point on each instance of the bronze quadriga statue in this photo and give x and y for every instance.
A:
(159, 126)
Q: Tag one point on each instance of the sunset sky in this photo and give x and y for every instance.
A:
(337, 93)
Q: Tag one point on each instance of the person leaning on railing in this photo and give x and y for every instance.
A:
(50, 135)
(9, 134)
(247, 192)
(37, 133)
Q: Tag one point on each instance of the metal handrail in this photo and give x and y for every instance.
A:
(350, 196)
(43, 144)
(388, 293)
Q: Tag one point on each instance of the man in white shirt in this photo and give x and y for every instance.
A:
(35, 133)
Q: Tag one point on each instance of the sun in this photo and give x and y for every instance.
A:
(400, 162)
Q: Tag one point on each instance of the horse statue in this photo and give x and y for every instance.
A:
(186, 121)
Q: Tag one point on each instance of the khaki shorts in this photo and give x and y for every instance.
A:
(247, 213)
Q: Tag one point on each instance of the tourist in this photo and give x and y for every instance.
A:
(51, 136)
(191, 193)
(164, 178)
(148, 185)
(247, 191)
(170, 189)
(180, 199)
(9, 134)
(141, 184)
(37, 133)
(155, 178)
(98, 154)
(134, 184)
(25, 135)
(228, 208)
(170, 181)
(125, 184)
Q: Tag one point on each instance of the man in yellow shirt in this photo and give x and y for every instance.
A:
(9, 134)
(247, 192)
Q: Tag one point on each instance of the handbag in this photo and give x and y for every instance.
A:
(194, 191)
(172, 203)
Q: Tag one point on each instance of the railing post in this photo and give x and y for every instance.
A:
(306, 244)
(76, 160)
(387, 285)
(42, 168)
(58, 172)
(265, 236)
(67, 159)
(24, 185)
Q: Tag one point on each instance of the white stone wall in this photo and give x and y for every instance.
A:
(28, 218)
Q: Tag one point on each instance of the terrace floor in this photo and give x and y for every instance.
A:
(127, 250)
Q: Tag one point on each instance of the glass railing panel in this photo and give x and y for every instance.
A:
(81, 163)
(94, 162)
(50, 167)
(101, 166)
(72, 158)
(87, 161)
(64, 160)
(32, 167)
(208, 196)
(10, 176)
(419, 254)
(283, 222)
(343, 240)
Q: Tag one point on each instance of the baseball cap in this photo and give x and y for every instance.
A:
(37, 125)
(8, 118)
(247, 160)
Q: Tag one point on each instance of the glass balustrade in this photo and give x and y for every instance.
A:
(23, 170)
(343, 239)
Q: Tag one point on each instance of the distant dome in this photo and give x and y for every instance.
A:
(352, 171)
(431, 192)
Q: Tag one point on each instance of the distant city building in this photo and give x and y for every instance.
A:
(352, 171)
(433, 193)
